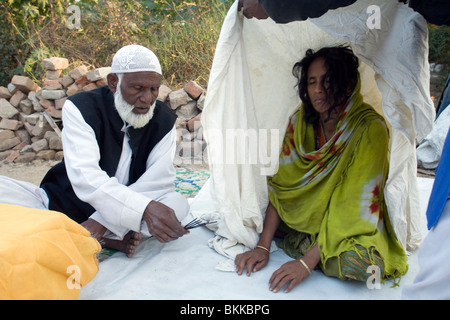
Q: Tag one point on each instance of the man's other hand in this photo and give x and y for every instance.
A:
(252, 9)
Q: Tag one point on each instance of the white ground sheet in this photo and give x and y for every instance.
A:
(186, 269)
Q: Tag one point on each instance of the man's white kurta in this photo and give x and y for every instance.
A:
(118, 207)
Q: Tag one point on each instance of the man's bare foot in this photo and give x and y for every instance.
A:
(127, 245)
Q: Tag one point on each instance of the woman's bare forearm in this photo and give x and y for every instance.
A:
(271, 223)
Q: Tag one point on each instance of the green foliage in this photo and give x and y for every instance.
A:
(32, 11)
(439, 45)
(185, 42)
(20, 22)
(9, 48)
(33, 64)
(182, 33)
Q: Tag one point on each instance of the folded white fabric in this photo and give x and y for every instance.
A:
(430, 150)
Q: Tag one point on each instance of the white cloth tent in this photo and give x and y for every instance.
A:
(430, 150)
(251, 94)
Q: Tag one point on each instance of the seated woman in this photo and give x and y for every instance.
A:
(327, 196)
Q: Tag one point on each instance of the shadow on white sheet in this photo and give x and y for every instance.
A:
(185, 269)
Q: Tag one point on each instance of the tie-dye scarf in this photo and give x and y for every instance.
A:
(335, 193)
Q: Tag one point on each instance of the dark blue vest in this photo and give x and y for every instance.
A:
(97, 109)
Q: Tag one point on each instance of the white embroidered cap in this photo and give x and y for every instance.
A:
(135, 58)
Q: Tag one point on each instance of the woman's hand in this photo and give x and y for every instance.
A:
(292, 273)
(253, 260)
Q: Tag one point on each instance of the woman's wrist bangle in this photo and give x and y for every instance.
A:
(305, 265)
(264, 248)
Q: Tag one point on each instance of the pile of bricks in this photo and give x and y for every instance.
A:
(30, 115)
(188, 104)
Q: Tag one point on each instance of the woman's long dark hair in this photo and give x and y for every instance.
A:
(342, 75)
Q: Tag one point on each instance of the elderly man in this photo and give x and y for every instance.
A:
(117, 176)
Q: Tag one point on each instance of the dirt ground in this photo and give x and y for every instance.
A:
(30, 172)
(34, 172)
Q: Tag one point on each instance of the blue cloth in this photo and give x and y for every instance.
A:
(441, 186)
(444, 101)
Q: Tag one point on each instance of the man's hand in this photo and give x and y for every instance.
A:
(253, 261)
(252, 9)
(162, 222)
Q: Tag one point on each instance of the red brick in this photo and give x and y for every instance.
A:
(21, 145)
(82, 81)
(10, 124)
(24, 84)
(55, 113)
(17, 97)
(193, 90)
(12, 156)
(55, 63)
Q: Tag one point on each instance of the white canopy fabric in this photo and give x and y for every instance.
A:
(251, 96)
(430, 150)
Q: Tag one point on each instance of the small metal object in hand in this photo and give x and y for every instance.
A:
(197, 222)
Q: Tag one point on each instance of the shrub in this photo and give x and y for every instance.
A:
(183, 34)
(439, 45)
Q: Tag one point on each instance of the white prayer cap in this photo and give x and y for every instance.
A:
(135, 58)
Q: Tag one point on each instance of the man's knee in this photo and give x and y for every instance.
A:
(22, 193)
(177, 202)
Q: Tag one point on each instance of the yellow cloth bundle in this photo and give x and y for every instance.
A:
(44, 254)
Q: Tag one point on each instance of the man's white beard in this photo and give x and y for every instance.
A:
(125, 111)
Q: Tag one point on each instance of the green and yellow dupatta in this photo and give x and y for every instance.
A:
(335, 194)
